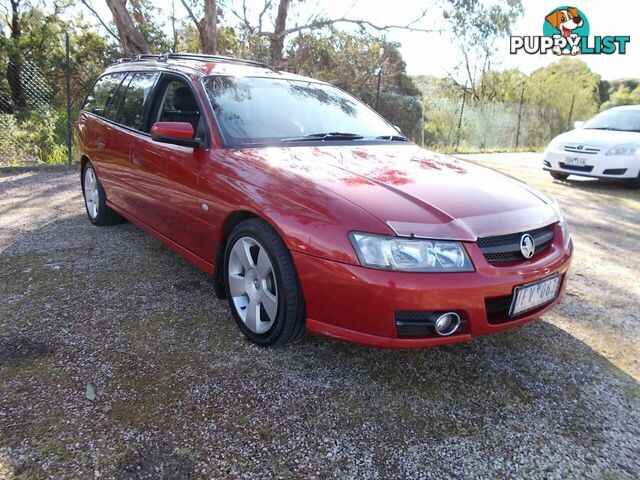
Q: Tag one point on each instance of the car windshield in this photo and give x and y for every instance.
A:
(623, 119)
(256, 110)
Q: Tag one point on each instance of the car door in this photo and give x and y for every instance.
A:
(166, 174)
(104, 146)
(129, 112)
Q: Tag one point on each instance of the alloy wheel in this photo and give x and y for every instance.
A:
(91, 195)
(252, 284)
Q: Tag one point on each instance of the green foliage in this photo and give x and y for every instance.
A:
(562, 82)
(38, 137)
(622, 92)
(491, 115)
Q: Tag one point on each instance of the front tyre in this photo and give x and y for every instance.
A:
(559, 176)
(95, 199)
(262, 285)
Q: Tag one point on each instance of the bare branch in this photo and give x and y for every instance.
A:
(190, 13)
(87, 4)
(361, 23)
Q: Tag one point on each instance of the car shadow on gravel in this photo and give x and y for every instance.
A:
(613, 187)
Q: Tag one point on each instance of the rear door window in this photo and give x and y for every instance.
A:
(131, 112)
(102, 94)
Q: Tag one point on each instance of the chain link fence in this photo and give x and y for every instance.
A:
(34, 123)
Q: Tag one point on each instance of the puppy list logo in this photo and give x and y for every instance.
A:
(565, 31)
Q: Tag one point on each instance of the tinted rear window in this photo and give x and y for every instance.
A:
(117, 97)
(132, 108)
(103, 91)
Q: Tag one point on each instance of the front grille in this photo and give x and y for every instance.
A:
(577, 168)
(581, 149)
(615, 171)
(506, 248)
(498, 308)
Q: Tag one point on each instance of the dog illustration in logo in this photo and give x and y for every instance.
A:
(565, 20)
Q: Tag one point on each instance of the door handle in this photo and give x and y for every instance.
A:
(101, 144)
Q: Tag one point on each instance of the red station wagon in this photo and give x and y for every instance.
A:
(310, 210)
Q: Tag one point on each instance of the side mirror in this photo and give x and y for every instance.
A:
(177, 133)
(578, 124)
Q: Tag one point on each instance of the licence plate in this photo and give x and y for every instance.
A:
(577, 161)
(532, 295)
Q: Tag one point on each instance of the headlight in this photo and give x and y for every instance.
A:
(627, 149)
(410, 254)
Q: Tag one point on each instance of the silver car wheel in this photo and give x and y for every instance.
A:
(91, 195)
(253, 286)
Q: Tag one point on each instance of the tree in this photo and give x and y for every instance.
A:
(560, 85)
(505, 86)
(478, 26)
(254, 28)
(207, 26)
(14, 66)
(621, 92)
(130, 37)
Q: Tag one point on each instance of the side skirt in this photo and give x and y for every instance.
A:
(192, 257)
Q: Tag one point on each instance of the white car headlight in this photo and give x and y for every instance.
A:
(410, 254)
(626, 149)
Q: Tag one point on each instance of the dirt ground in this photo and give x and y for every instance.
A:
(117, 361)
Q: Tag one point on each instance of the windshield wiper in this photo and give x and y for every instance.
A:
(393, 138)
(324, 136)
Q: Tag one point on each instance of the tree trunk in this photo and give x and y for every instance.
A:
(138, 15)
(14, 67)
(132, 41)
(208, 28)
(277, 39)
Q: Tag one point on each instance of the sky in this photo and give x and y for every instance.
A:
(434, 54)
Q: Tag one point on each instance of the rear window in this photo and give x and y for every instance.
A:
(131, 110)
(102, 94)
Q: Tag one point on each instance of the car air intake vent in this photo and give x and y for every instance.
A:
(577, 168)
(615, 171)
(506, 248)
(581, 149)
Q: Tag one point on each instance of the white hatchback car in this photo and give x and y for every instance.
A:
(607, 146)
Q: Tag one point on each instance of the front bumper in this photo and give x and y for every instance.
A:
(597, 166)
(359, 304)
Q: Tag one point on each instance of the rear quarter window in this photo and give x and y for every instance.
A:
(102, 94)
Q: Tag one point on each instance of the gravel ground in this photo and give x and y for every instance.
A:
(117, 361)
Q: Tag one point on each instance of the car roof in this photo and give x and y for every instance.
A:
(626, 107)
(197, 65)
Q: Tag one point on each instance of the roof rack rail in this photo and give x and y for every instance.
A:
(139, 58)
(194, 56)
(218, 58)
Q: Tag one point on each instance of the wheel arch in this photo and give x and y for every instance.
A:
(233, 219)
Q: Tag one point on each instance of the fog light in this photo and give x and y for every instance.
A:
(447, 324)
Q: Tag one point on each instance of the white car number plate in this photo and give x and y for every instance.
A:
(532, 295)
(577, 161)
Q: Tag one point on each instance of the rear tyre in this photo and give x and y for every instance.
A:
(262, 285)
(95, 199)
(559, 176)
